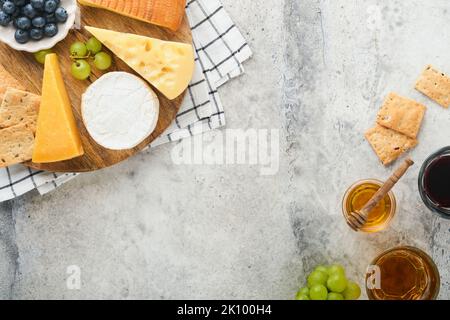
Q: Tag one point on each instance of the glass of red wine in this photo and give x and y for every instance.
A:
(434, 182)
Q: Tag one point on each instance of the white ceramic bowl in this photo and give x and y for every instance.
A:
(7, 33)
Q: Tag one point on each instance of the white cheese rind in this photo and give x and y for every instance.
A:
(120, 110)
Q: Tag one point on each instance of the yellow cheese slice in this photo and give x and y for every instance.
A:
(57, 137)
(168, 66)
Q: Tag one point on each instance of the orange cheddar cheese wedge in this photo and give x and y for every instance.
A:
(164, 13)
(57, 137)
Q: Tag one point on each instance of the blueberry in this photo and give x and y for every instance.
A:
(38, 4)
(29, 11)
(5, 19)
(22, 36)
(50, 30)
(61, 15)
(23, 23)
(38, 22)
(16, 13)
(50, 6)
(9, 7)
(19, 3)
(36, 34)
(50, 18)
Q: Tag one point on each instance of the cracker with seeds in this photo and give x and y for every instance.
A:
(435, 85)
(19, 107)
(7, 81)
(402, 115)
(389, 144)
(16, 145)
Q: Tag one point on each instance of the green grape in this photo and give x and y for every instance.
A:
(352, 292)
(304, 290)
(40, 55)
(81, 70)
(318, 292)
(322, 269)
(317, 277)
(93, 45)
(78, 49)
(302, 297)
(337, 283)
(335, 296)
(336, 268)
(102, 61)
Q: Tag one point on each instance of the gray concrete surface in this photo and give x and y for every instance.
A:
(150, 229)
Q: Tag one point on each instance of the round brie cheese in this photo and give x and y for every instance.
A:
(119, 110)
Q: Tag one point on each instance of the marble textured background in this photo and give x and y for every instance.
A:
(150, 229)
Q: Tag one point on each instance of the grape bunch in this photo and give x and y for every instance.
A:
(81, 52)
(32, 19)
(329, 283)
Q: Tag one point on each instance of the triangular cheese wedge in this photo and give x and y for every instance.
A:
(57, 137)
(168, 66)
(165, 13)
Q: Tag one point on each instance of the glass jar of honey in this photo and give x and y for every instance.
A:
(359, 194)
(403, 273)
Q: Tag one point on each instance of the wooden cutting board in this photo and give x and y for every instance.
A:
(29, 72)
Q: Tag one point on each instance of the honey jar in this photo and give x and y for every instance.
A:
(403, 273)
(359, 194)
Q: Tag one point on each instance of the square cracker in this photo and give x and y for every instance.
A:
(389, 144)
(16, 145)
(402, 115)
(19, 107)
(435, 85)
(7, 81)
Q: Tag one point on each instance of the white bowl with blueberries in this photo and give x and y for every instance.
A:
(34, 25)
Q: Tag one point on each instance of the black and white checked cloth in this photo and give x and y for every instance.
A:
(220, 51)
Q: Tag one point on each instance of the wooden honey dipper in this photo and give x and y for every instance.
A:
(356, 220)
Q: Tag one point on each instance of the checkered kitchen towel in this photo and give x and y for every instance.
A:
(220, 51)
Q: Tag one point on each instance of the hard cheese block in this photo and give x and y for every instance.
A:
(165, 13)
(57, 137)
(168, 66)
